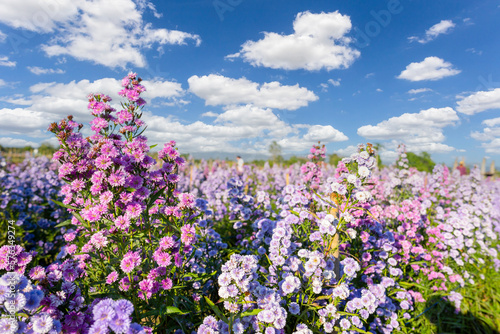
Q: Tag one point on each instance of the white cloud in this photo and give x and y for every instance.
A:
(419, 90)
(39, 70)
(220, 90)
(379, 90)
(2, 37)
(110, 33)
(240, 129)
(443, 27)
(319, 42)
(431, 68)
(39, 16)
(334, 83)
(16, 142)
(347, 151)
(480, 101)
(324, 133)
(421, 131)
(50, 102)
(4, 61)
(490, 136)
(209, 114)
(474, 51)
(16, 99)
(21, 121)
(2, 83)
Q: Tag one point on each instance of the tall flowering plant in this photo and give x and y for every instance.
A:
(132, 231)
(321, 271)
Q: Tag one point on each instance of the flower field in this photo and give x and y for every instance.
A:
(107, 239)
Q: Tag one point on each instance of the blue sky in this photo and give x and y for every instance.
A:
(227, 77)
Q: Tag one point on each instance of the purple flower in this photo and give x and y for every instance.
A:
(345, 324)
(99, 328)
(8, 325)
(103, 313)
(294, 308)
(42, 323)
(123, 308)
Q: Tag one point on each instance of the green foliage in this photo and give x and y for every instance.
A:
(275, 151)
(333, 159)
(422, 162)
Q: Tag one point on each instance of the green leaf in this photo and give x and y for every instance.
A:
(64, 223)
(174, 310)
(216, 310)
(153, 146)
(64, 205)
(252, 312)
(154, 198)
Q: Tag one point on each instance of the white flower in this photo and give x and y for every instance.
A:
(351, 178)
(325, 223)
(330, 218)
(363, 171)
(334, 186)
(352, 233)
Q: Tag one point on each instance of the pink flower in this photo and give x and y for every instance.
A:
(106, 197)
(71, 249)
(103, 162)
(167, 242)
(130, 261)
(124, 284)
(65, 169)
(77, 185)
(116, 179)
(97, 124)
(186, 200)
(134, 210)
(166, 284)
(122, 222)
(37, 273)
(163, 259)
(99, 240)
(112, 277)
(188, 234)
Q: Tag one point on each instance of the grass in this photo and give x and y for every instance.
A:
(479, 314)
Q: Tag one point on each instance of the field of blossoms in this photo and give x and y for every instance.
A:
(109, 239)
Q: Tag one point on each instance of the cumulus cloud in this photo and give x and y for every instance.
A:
(239, 128)
(431, 68)
(53, 101)
(480, 101)
(244, 127)
(443, 27)
(16, 142)
(319, 42)
(20, 121)
(4, 61)
(490, 136)
(220, 90)
(110, 33)
(324, 133)
(421, 131)
(40, 70)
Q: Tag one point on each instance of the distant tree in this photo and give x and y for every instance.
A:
(422, 161)
(275, 151)
(46, 149)
(378, 147)
(333, 159)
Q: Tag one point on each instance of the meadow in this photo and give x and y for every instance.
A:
(106, 238)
